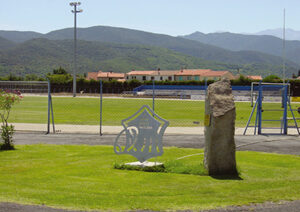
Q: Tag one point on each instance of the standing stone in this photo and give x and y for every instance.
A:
(219, 154)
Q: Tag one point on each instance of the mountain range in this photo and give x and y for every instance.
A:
(120, 50)
(240, 42)
(41, 55)
(290, 34)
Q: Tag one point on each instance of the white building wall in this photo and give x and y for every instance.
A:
(149, 78)
(163, 78)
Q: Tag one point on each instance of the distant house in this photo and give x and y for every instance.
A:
(105, 76)
(157, 75)
(179, 75)
(202, 74)
(254, 77)
(91, 75)
(108, 76)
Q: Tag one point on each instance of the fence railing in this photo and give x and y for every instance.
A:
(103, 112)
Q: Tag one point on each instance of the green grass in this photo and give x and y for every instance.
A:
(83, 177)
(85, 111)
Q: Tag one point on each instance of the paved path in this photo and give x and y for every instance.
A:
(293, 206)
(276, 144)
(94, 129)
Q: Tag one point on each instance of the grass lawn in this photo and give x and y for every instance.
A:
(82, 177)
(85, 111)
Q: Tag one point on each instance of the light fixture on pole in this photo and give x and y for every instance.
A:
(75, 11)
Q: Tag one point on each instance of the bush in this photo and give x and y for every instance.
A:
(242, 80)
(7, 100)
(272, 78)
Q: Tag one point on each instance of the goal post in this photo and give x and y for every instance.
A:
(276, 90)
(34, 88)
(272, 92)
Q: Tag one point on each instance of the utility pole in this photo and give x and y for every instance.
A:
(283, 46)
(75, 11)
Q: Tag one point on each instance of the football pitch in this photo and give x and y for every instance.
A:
(85, 111)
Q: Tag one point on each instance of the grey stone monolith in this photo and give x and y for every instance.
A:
(219, 153)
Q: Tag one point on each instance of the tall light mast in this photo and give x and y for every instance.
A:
(75, 11)
(283, 46)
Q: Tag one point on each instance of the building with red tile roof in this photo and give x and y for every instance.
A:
(162, 75)
(254, 77)
(202, 74)
(105, 76)
(157, 75)
(92, 75)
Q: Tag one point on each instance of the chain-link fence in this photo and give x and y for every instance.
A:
(182, 106)
(31, 111)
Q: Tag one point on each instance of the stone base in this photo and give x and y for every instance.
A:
(144, 164)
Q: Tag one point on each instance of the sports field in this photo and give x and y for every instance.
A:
(85, 111)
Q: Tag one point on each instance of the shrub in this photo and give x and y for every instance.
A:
(272, 78)
(7, 100)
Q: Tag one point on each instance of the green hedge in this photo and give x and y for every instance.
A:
(92, 86)
(64, 83)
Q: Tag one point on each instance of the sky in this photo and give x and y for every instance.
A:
(172, 17)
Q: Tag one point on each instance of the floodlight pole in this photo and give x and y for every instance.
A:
(75, 11)
(283, 47)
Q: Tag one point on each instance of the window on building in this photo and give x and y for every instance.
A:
(144, 78)
(161, 78)
(170, 78)
(189, 78)
(127, 77)
(152, 78)
(180, 78)
(197, 78)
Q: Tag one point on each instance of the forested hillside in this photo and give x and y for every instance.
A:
(136, 37)
(40, 56)
(121, 50)
(240, 42)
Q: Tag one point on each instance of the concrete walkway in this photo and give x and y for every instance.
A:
(94, 129)
(276, 144)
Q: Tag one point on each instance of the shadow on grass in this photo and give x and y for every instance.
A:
(4, 147)
(227, 177)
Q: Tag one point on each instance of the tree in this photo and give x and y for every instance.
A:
(31, 77)
(12, 77)
(60, 71)
(272, 78)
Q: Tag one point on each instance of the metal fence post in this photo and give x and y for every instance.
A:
(49, 102)
(251, 94)
(101, 108)
(285, 110)
(50, 109)
(153, 95)
(205, 86)
(259, 108)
